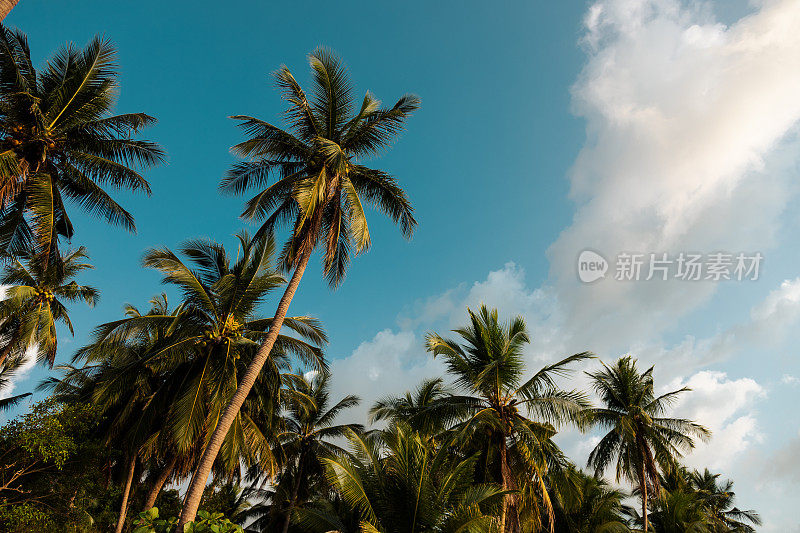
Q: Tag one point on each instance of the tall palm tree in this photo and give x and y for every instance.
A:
(125, 425)
(395, 483)
(59, 140)
(161, 458)
(34, 302)
(307, 436)
(132, 415)
(134, 399)
(489, 366)
(212, 337)
(642, 440)
(6, 6)
(168, 374)
(718, 498)
(320, 189)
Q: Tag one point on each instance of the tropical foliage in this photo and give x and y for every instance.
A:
(205, 383)
(307, 438)
(320, 189)
(394, 482)
(34, 302)
(643, 441)
(163, 376)
(515, 451)
(8, 369)
(61, 142)
(56, 474)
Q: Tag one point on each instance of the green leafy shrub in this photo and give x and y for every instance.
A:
(25, 518)
(54, 471)
(206, 522)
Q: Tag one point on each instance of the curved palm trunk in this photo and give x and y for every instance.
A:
(6, 6)
(123, 509)
(198, 483)
(159, 483)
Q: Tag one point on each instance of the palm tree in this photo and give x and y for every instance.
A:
(306, 437)
(6, 6)
(489, 366)
(160, 474)
(162, 459)
(126, 426)
(587, 504)
(34, 302)
(166, 375)
(132, 411)
(414, 408)
(395, 483)
(211, 338)
(320, 191)
(231, 500)
(8, 368)
(672, 511)
(718, 498)
(640, 438)
(59, 140)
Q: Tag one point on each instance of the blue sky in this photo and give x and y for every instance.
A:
(546, 128)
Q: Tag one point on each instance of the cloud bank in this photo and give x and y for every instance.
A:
(691, 146)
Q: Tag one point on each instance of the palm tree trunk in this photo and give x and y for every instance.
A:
(159, 482)
(503, 468)
(123, 509)
(509, 520)
(198, 483)
(6, 6)
(643, 486)
(295, 492)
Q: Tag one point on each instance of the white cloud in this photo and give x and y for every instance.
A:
(505, 289)
(788, 379)
(779, 310)
(692, 146)
(726, 407)
(691, 129)
(583, 447)
(768, 324)
(389, 364)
